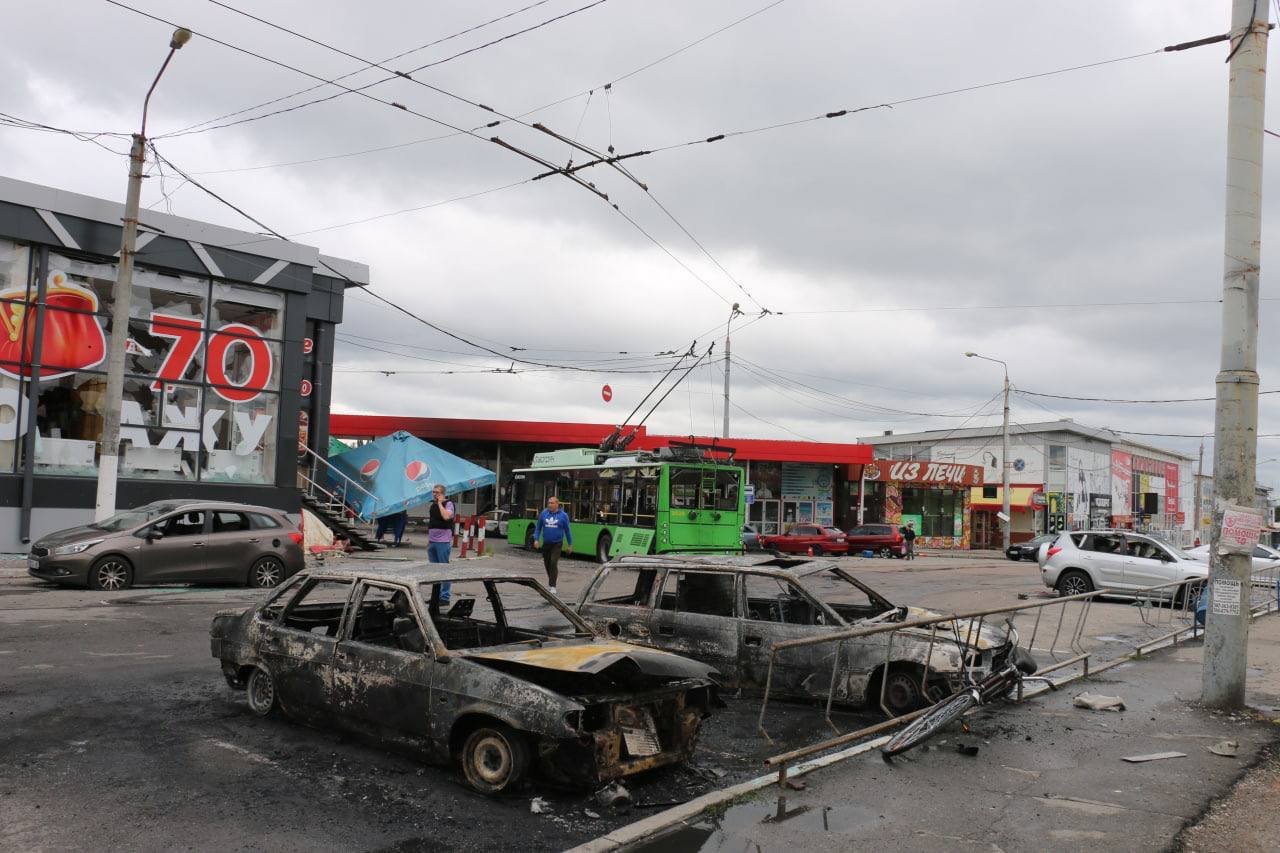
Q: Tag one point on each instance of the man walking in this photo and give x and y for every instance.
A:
(909, 534)
(552, 531)
(440, 533)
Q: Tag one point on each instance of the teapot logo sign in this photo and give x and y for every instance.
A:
(72, 338)
(417, 470)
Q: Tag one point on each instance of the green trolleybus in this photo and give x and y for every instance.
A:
(645, 502)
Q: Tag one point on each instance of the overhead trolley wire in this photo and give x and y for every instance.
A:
(202, 126)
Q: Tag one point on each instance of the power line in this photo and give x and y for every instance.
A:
(891, 309)
(1120, 400)
(200, 127)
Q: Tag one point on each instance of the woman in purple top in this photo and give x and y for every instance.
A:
(440, 533)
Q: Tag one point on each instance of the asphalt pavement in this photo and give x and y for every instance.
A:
(119, 732)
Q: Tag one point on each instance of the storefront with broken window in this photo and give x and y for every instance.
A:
(227, 368)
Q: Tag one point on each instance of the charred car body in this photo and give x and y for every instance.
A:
(730, 611)
(502, 679)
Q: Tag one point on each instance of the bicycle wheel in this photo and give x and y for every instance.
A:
(946, 711)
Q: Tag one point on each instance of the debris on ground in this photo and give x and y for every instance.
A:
(965, 749)
(796, 784)
(589, 813)
(538, 806)
(1226, 748)
(613, 796)
(1098, 702)
(1155, 756)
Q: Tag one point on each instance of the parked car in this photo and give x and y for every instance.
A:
(1085, 560)
(884, 539)
(173, 541)
(728, 612)
(502, 679)
(799, 538)
(495, 523)
(750, 538)
(1264, 556)
(1030, 549)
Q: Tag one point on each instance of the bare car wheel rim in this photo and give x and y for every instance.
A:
(112, 575)
(262, 692)
(266, 573)
(491, 760)
(900, 694)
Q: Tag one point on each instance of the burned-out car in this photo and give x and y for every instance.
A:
(503, 678)
(729, 612)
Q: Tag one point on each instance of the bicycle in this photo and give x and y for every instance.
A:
(995, 686)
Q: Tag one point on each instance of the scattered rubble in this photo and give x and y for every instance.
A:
(1226, 748)
(1098, 702)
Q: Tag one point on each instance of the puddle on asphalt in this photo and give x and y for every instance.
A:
(735, 825)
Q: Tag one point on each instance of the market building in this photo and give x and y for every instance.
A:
(791, 481)
(934, 498)
(1062, 476)
(228, 367)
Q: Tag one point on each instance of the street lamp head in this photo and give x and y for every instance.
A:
(970, 354)
(181, 36)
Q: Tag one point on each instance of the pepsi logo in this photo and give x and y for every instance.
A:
(370, 468)
(417, 470)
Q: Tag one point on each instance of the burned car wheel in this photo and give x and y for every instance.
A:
(902, 693)
(266, 573)
(494, 759)
(111, 574)
(261, 692)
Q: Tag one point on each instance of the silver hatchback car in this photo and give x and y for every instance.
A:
(1085, 560)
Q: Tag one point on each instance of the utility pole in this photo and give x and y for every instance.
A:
(1004, 443)
(121, 297)
(1236, 416)
(733, 312)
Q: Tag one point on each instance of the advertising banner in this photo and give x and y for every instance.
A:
(936, 473)
(1171, 494)
(1121, 484)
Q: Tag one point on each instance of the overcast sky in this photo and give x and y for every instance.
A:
(1102, 185)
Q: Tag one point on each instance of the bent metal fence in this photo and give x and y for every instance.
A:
(1062, 633)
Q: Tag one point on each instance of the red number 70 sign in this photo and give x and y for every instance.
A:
(188, 336)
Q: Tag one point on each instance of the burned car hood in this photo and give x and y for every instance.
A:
(593, 656)
(992, 636)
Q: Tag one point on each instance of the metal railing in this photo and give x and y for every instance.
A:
(1167, 613)
(336, 499)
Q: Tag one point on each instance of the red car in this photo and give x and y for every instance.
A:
(801, 537)
(884, 539)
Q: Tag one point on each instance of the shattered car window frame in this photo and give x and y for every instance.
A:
(596, 588)
(426, 599)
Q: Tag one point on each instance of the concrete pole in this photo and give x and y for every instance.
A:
(733, 312)
(121, 296)
(121, 299)
(1004, 462)
(1236, 414)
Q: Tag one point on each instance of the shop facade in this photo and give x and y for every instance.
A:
(228, 361)
(788, 482)
(933, 497)
(1063, 476)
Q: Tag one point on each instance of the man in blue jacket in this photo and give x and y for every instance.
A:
(551, 533)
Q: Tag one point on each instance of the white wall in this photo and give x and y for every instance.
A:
(1026, 455)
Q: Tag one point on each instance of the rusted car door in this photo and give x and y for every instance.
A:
(298, 648)
(618, 601)
(696, 615)
(383, 663)
(775, 609)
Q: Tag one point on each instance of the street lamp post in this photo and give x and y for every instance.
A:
(733, 312)
(109, 458)
(1004, 452)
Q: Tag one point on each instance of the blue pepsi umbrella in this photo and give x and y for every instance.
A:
(398, 471)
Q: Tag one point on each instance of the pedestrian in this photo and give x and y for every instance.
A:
(440, 534)
(550, 534)
(399, 522)
(909, 535)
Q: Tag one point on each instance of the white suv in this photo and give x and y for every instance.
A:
(1085, 560)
